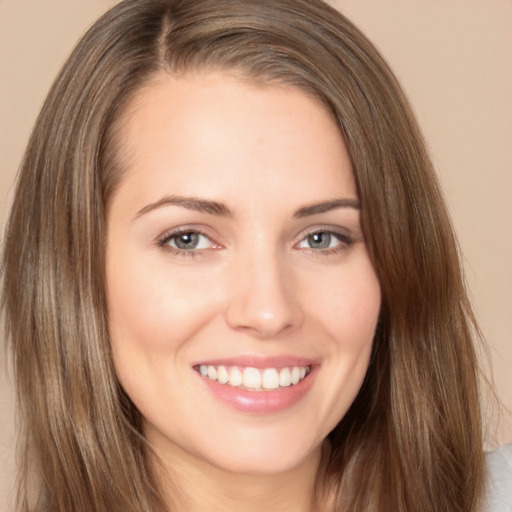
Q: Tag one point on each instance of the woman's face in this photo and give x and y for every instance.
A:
(242, 301)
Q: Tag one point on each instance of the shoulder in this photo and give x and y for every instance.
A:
(499, 480)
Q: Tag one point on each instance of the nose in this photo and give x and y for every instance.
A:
(264, 302)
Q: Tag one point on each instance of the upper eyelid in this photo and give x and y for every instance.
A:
(336, 230)
(169, 233)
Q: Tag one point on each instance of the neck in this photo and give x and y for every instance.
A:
(195, 485)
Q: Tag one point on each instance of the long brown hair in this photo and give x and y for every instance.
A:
(412, 439)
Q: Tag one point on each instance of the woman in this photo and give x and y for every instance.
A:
(230, 279)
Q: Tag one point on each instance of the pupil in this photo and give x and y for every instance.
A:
(320, 240)
(187, 241)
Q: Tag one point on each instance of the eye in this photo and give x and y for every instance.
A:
(324, 240)
(188, 240)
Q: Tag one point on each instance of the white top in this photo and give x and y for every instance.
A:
(499, 490)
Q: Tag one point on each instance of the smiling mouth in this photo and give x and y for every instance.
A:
(254, 379)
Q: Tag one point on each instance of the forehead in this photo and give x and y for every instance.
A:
(196, 133)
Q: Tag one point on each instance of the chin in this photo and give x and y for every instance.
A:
(256, 461)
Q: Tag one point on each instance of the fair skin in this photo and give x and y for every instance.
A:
(234, 242)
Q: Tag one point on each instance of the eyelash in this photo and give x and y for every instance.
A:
(345, 241)
(163, 241)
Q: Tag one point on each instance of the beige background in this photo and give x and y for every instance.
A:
(454, 58)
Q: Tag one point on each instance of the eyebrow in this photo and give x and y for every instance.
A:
(190, 203)
(220, 209)
(326, 206)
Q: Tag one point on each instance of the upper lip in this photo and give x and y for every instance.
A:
(253, 361)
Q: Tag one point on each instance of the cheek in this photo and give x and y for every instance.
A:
(152, 307)
(349, 306)
(152, 314)
(348, 313)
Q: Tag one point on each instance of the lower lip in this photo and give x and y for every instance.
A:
(261, 402)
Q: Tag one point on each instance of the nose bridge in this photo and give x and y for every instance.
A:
(263, 302)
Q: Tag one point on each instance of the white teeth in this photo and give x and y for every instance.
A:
(222, 375)
(285, 377)
(254, 378)
(235, 377)
(212, 372)
(270, 379)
